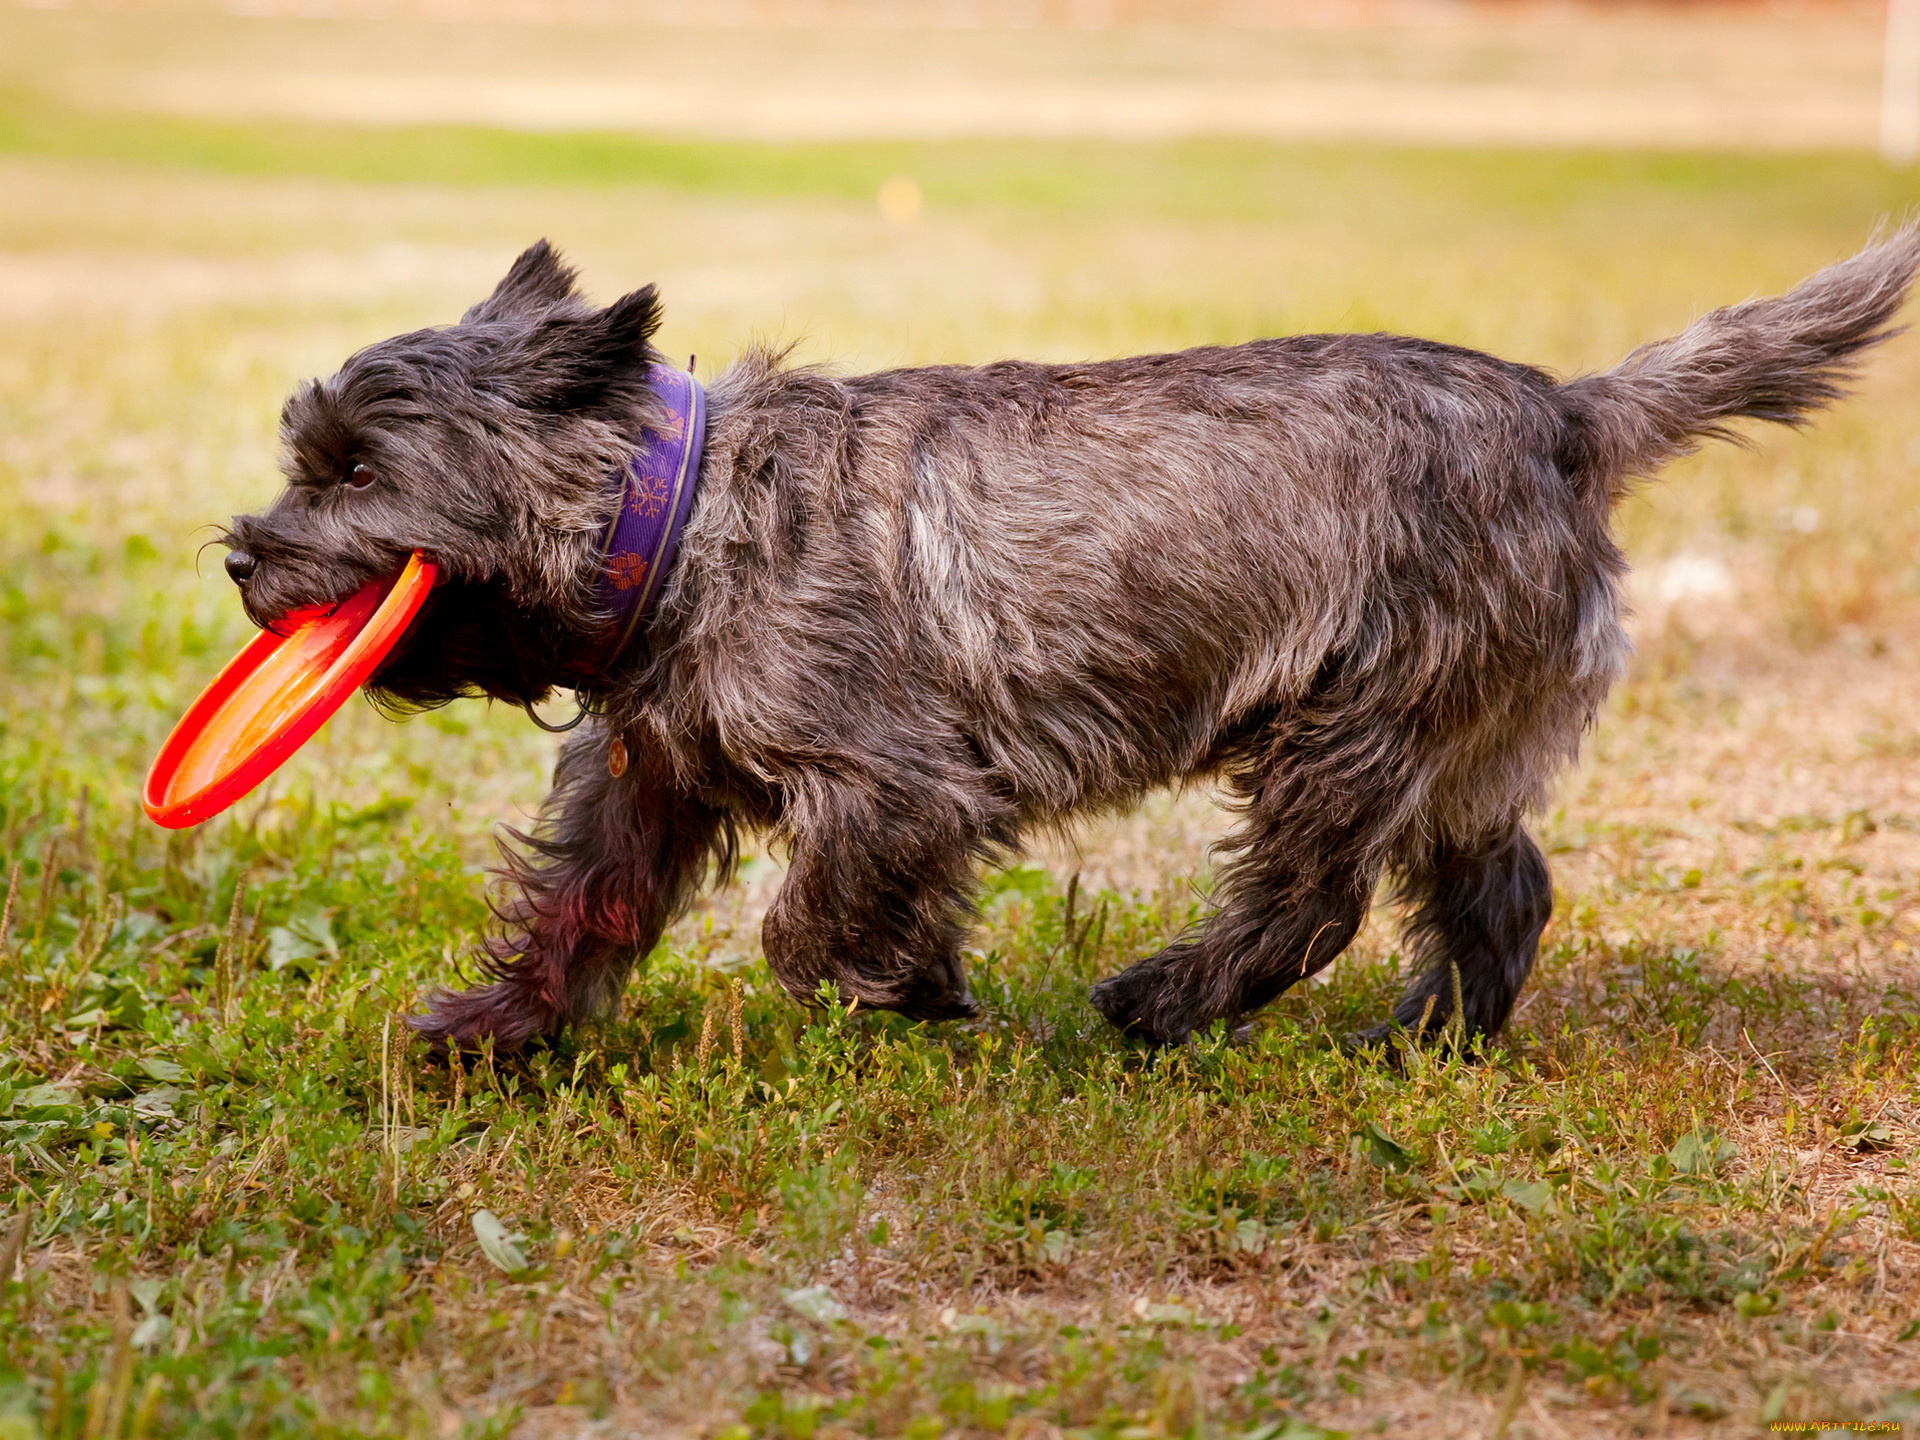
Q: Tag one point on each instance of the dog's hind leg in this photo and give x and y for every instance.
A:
(1324, 794)
(1477, 917)
(613, 859)
(1286, 910)
(876, 899)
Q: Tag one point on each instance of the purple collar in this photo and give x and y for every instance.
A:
(655, 500)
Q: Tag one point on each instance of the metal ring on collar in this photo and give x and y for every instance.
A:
(579, 715)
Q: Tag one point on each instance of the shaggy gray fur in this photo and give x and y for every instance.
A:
(1365, 582)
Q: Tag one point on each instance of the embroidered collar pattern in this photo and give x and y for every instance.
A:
(656, 497)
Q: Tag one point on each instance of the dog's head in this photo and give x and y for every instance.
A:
(492, 446)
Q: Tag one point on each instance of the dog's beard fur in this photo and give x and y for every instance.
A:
(1367, 583)
(472, 640)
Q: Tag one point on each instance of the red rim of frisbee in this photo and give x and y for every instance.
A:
(273, 696)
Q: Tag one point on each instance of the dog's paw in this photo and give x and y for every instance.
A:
(929, 997)
(1383, 1044)
(936, 1007)
(931, 993)
(1134, 1002)
(1373, 1037)
(465, 1021)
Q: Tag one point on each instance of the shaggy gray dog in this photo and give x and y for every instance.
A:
(1367, 583)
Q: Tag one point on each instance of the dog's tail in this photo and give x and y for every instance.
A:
(1775, 359)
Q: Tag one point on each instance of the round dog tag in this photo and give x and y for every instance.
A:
(617, 758)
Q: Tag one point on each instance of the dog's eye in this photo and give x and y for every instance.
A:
(360, 477)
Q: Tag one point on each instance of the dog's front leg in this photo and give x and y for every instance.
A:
(875, 900)
(610, 863)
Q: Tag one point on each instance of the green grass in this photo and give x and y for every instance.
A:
(1187, 180)
(729, 1208)
(1682, 1198)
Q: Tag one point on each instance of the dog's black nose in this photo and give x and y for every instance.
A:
(241, 565)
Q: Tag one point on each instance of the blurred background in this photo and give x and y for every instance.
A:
(202, 204)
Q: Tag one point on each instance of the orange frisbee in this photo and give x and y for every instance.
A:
(274, 694)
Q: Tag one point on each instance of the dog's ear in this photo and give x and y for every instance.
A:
(539, 281)
(626, 327)
(587, 362)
